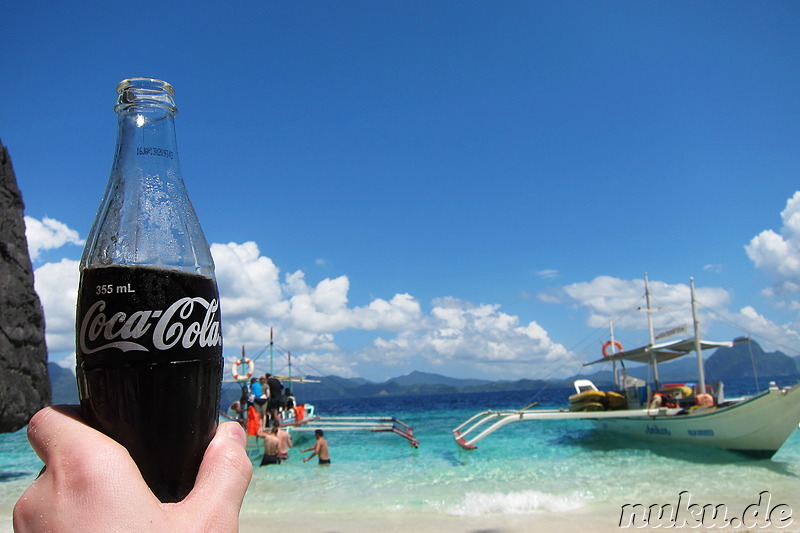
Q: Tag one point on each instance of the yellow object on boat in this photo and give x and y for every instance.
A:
(615, 400)
(586, 406)
(678, 391)
(588, 396)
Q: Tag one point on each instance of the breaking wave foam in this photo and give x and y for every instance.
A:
(516, 503)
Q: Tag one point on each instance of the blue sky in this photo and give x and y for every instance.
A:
(469, 188)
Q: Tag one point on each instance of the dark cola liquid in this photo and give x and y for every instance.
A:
(149, 368)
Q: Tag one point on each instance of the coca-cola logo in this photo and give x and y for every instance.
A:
(165, 328)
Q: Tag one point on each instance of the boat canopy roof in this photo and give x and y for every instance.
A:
(664, 351)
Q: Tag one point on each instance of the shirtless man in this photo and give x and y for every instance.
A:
(284, 442)
(320, 449)
(271, 443)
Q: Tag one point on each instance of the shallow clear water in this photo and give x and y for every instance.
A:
(526, 468)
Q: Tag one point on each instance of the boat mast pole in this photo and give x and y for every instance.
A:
(653, 361)
(613, 351)
(701, 376)
(270, 350)
(243, 383)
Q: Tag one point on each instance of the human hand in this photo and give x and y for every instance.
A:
(91, 484)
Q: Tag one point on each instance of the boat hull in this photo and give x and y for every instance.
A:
(757, 427)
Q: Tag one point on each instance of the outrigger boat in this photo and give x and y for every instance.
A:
(755, 426)
(303, 417)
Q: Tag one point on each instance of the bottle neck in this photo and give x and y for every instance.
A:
(146, 217)
(146, 140)
(146, 132)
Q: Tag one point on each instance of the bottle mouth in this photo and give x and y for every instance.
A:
(145, 92)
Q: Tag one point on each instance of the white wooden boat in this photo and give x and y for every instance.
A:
(756, 426)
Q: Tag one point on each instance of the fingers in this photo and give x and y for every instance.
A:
(55, 429)
(85, 470)
(222, 480)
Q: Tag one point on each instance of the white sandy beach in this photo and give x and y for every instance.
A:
(411, 523)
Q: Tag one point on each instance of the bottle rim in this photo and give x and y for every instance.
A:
(145, 91)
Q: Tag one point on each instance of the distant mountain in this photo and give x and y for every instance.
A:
(417, 378)
(62, 381)
(415, 383)
(746, 359)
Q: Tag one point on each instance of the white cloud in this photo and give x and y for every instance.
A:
(57, 287)
(606, 297)
(547, 273)
(48, 234)
(778, 254)
(308, 318)
(457, 333)
(249, 282)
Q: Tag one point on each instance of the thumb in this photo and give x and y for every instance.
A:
(222, 481)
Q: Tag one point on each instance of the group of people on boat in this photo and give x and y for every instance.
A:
(264, 402)
(266, 394)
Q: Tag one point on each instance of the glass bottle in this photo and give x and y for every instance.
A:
(148, 334)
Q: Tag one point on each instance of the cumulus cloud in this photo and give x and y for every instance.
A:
(256, 296)
(57, 287)
(762, 327)
(48, 234)
(778, 253)
(606, 297)
(457, 333)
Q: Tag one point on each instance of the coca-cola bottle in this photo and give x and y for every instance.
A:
(149, 344)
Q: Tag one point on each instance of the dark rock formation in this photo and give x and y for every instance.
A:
(24, 384)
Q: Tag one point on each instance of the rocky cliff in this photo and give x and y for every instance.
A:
(24, 384)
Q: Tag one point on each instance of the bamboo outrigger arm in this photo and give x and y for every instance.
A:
(363, 423)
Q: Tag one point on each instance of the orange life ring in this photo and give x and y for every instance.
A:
(606, 344)
(251, 368)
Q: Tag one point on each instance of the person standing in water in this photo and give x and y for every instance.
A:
(320, 449)
(284, 441)
(271, 444)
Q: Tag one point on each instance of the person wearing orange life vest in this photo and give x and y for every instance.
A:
(662, 399)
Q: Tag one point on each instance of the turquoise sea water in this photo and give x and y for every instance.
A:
(536, 470)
